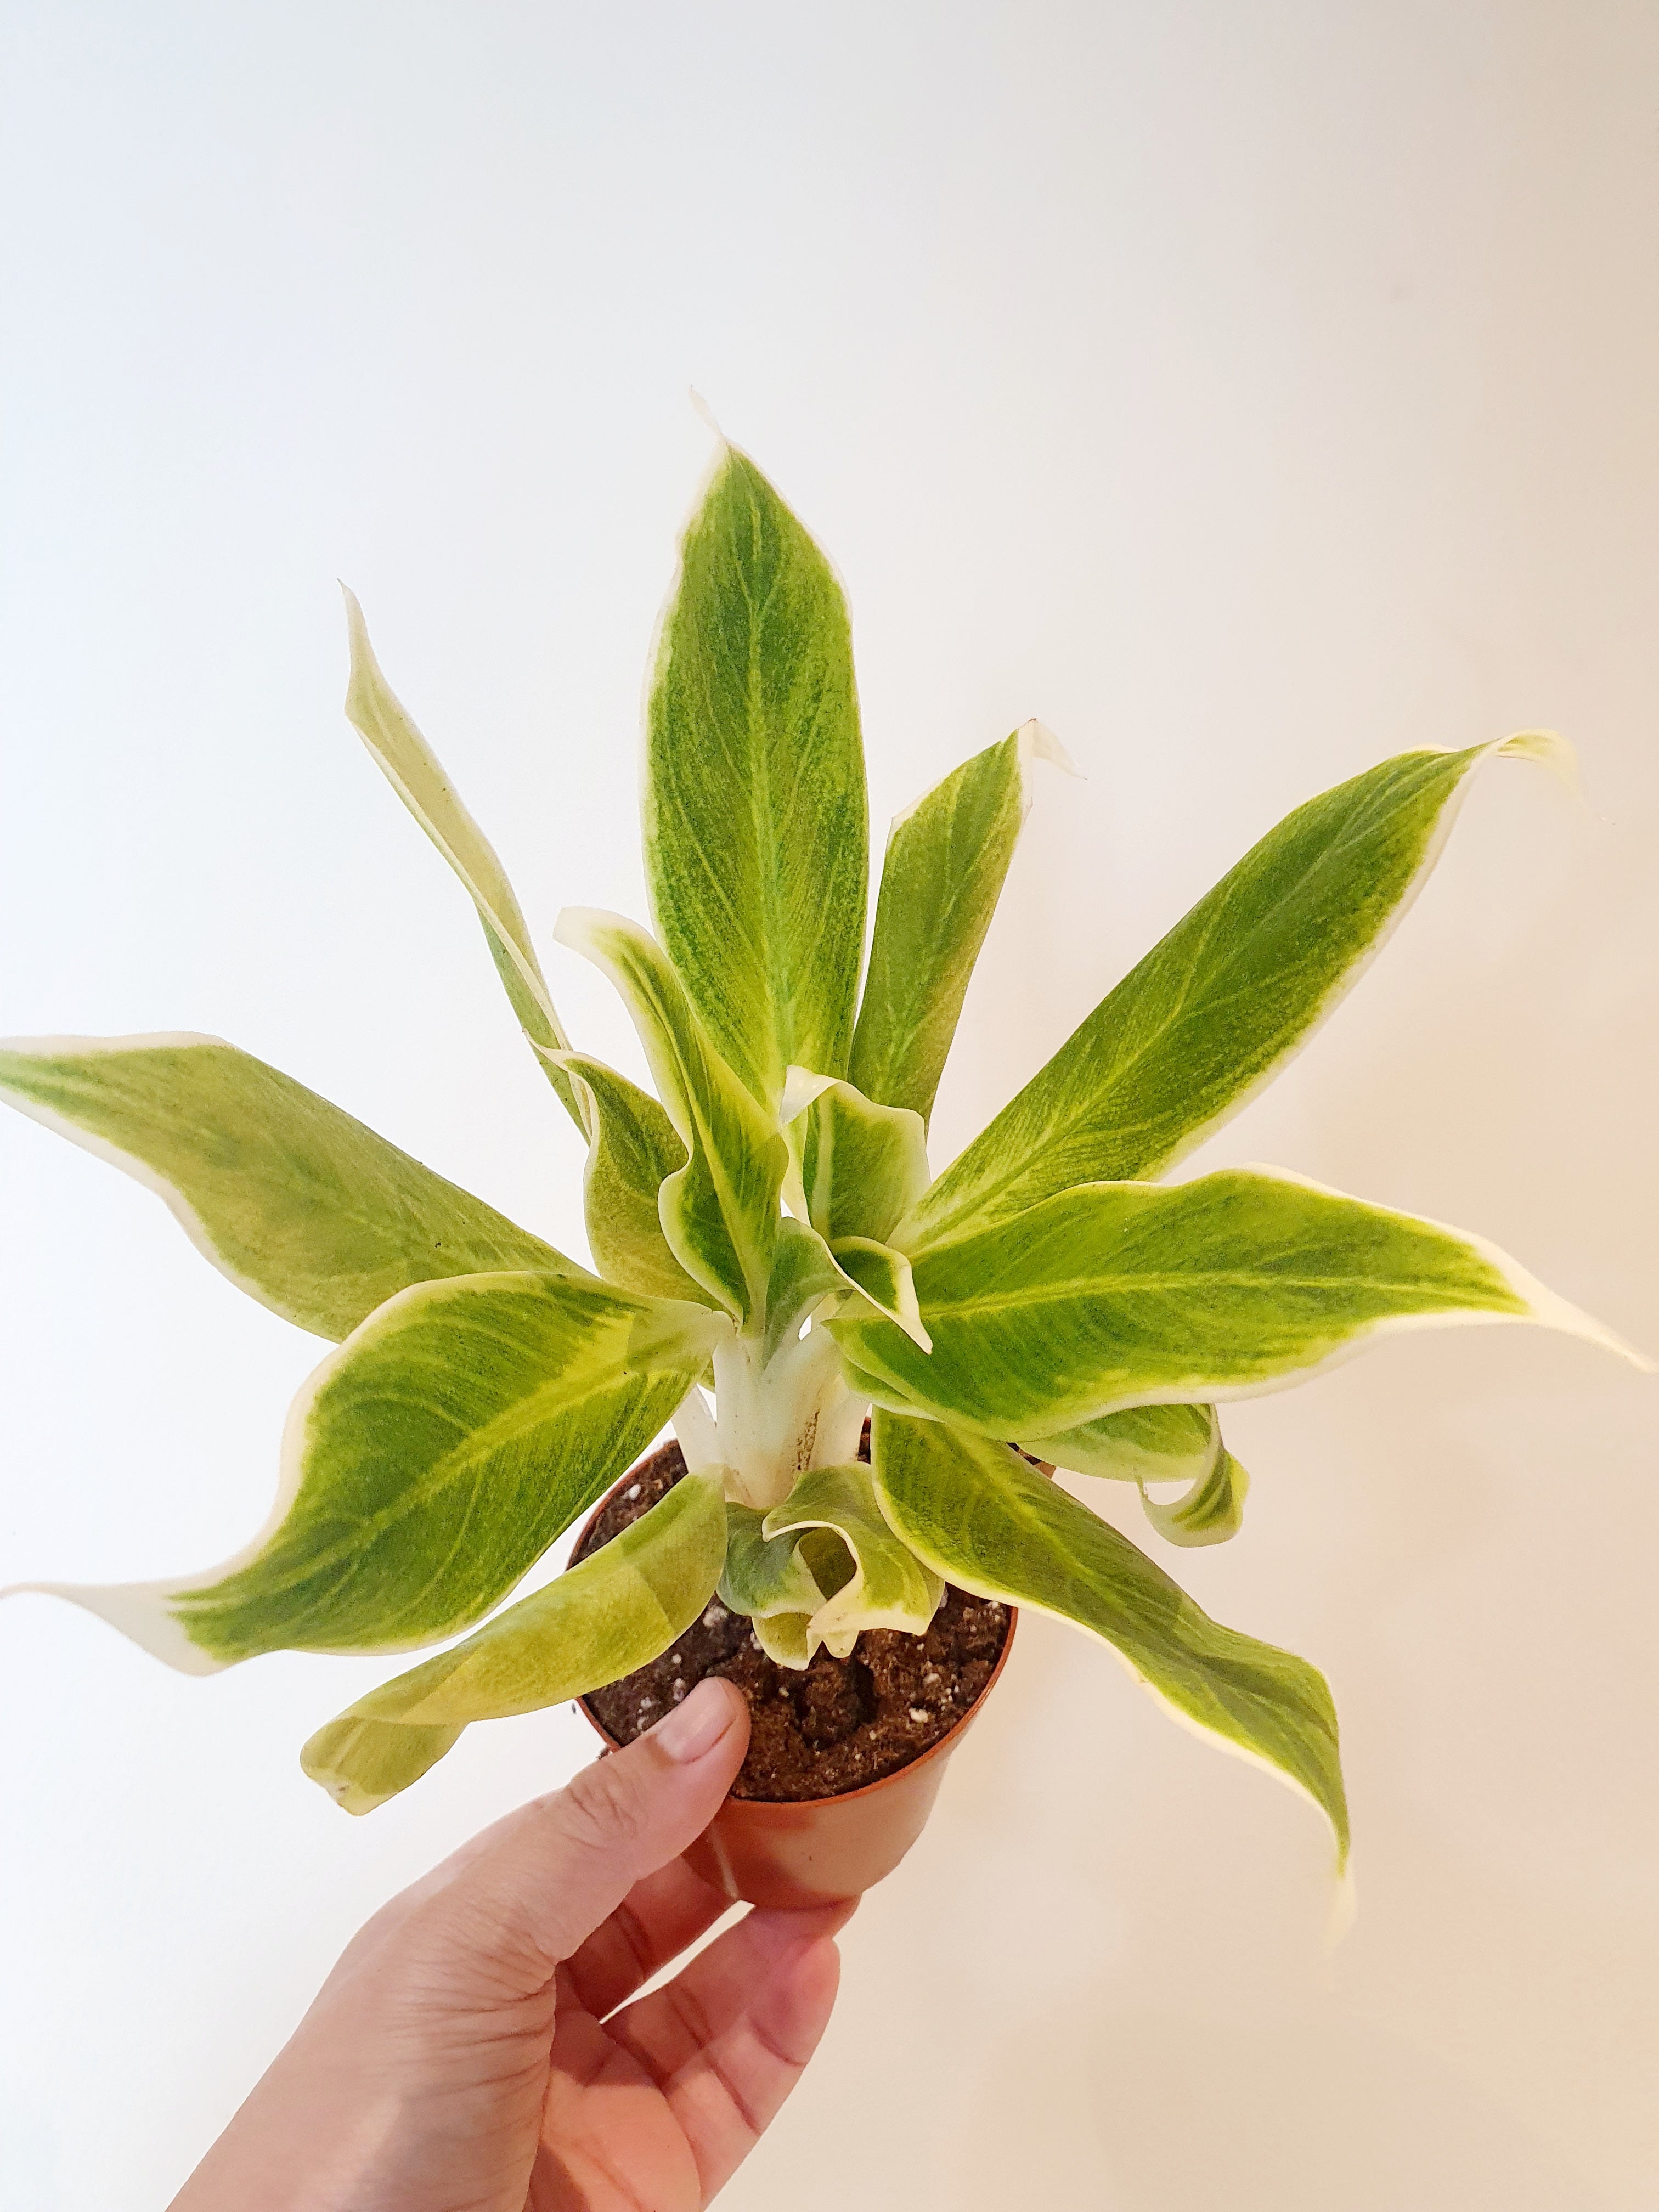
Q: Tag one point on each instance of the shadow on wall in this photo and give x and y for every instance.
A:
(1187, 2116)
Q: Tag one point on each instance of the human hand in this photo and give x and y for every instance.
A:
(474, 2049)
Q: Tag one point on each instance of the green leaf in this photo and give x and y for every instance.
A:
(884, 1278)
(426, 1465)
(1215, 1008)
(803, 1275)
(632, 1151)
(300, 1206)
(1150, 1444)
(720, 1211)
(785, 1637)
(362, 1763)
(618, 1610)
(945, 863)
(1146, 1443)
(415, 773)
(1160, 1445)
(890, 1587)
(756, 826)
(806, 1271)
(762, 1577)
(1124, 1294)
(855, 1168)
(987, 1522)
(1211, 1511)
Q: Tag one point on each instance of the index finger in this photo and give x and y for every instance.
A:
(653, 1923)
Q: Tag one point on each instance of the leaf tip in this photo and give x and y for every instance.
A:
(1344, 1907)
(1550, 749)
(1551, 1310)
(1038, 742)
(705, 414)
(577, 927)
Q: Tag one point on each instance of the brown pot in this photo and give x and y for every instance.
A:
(816, 1849)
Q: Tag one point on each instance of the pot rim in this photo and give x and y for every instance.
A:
(792, 1808)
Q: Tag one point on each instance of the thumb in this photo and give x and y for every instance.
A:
(540, 1882)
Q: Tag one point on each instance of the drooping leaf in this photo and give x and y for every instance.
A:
(762, 1577)
(1124, 1294)
(616, 1611)
(855, 1168)
(301, 1207)
(945, 863)
(415, 773)
(755, 824)
(1218, 1006)
(890, 1588)
(720, 1211)
(785, 1637)
(1149, 1444)
(632, 1151)
(1146, 1443)
(1211, 1511)
(362, 1763)
(426, 1465)
(980, 1516)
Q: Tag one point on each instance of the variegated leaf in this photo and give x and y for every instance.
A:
(415, 773)
(761, 1576)
(855, 1168)
(803, 1275)
(1209, 1512)
(426, 1465)
(944, 870)
(300, 1206)
(1146, 1443)
(1218, 1006)
(884, 1279)
(632, 1151)
(980, 1516)
(1161, 1444)
(1123, 1294)
(890, 1588)
(618, 1610)
(720, 1211)
(756, 825)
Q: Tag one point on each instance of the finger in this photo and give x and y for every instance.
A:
(727, 2039)
(553, 1871)
(653, 1923)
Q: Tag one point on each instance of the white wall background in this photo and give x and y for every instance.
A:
(1247, 389)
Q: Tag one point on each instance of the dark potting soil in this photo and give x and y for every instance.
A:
(841, 1723)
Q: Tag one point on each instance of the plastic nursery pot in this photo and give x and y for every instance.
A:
(816, 1850)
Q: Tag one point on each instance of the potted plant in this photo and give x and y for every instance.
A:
(767, 1227)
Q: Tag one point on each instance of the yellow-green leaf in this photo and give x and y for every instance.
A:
(1216, 1008)
(720, 1211)
(632, 1151)
(756, 825)
(1209, 1512)
(1123, 1294)
(980, 1516)
(300, 1206)
(944, 870)
(890, 1586)
(618, 1610)
(426, 1465)
(855, 1168)
(416, 774)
